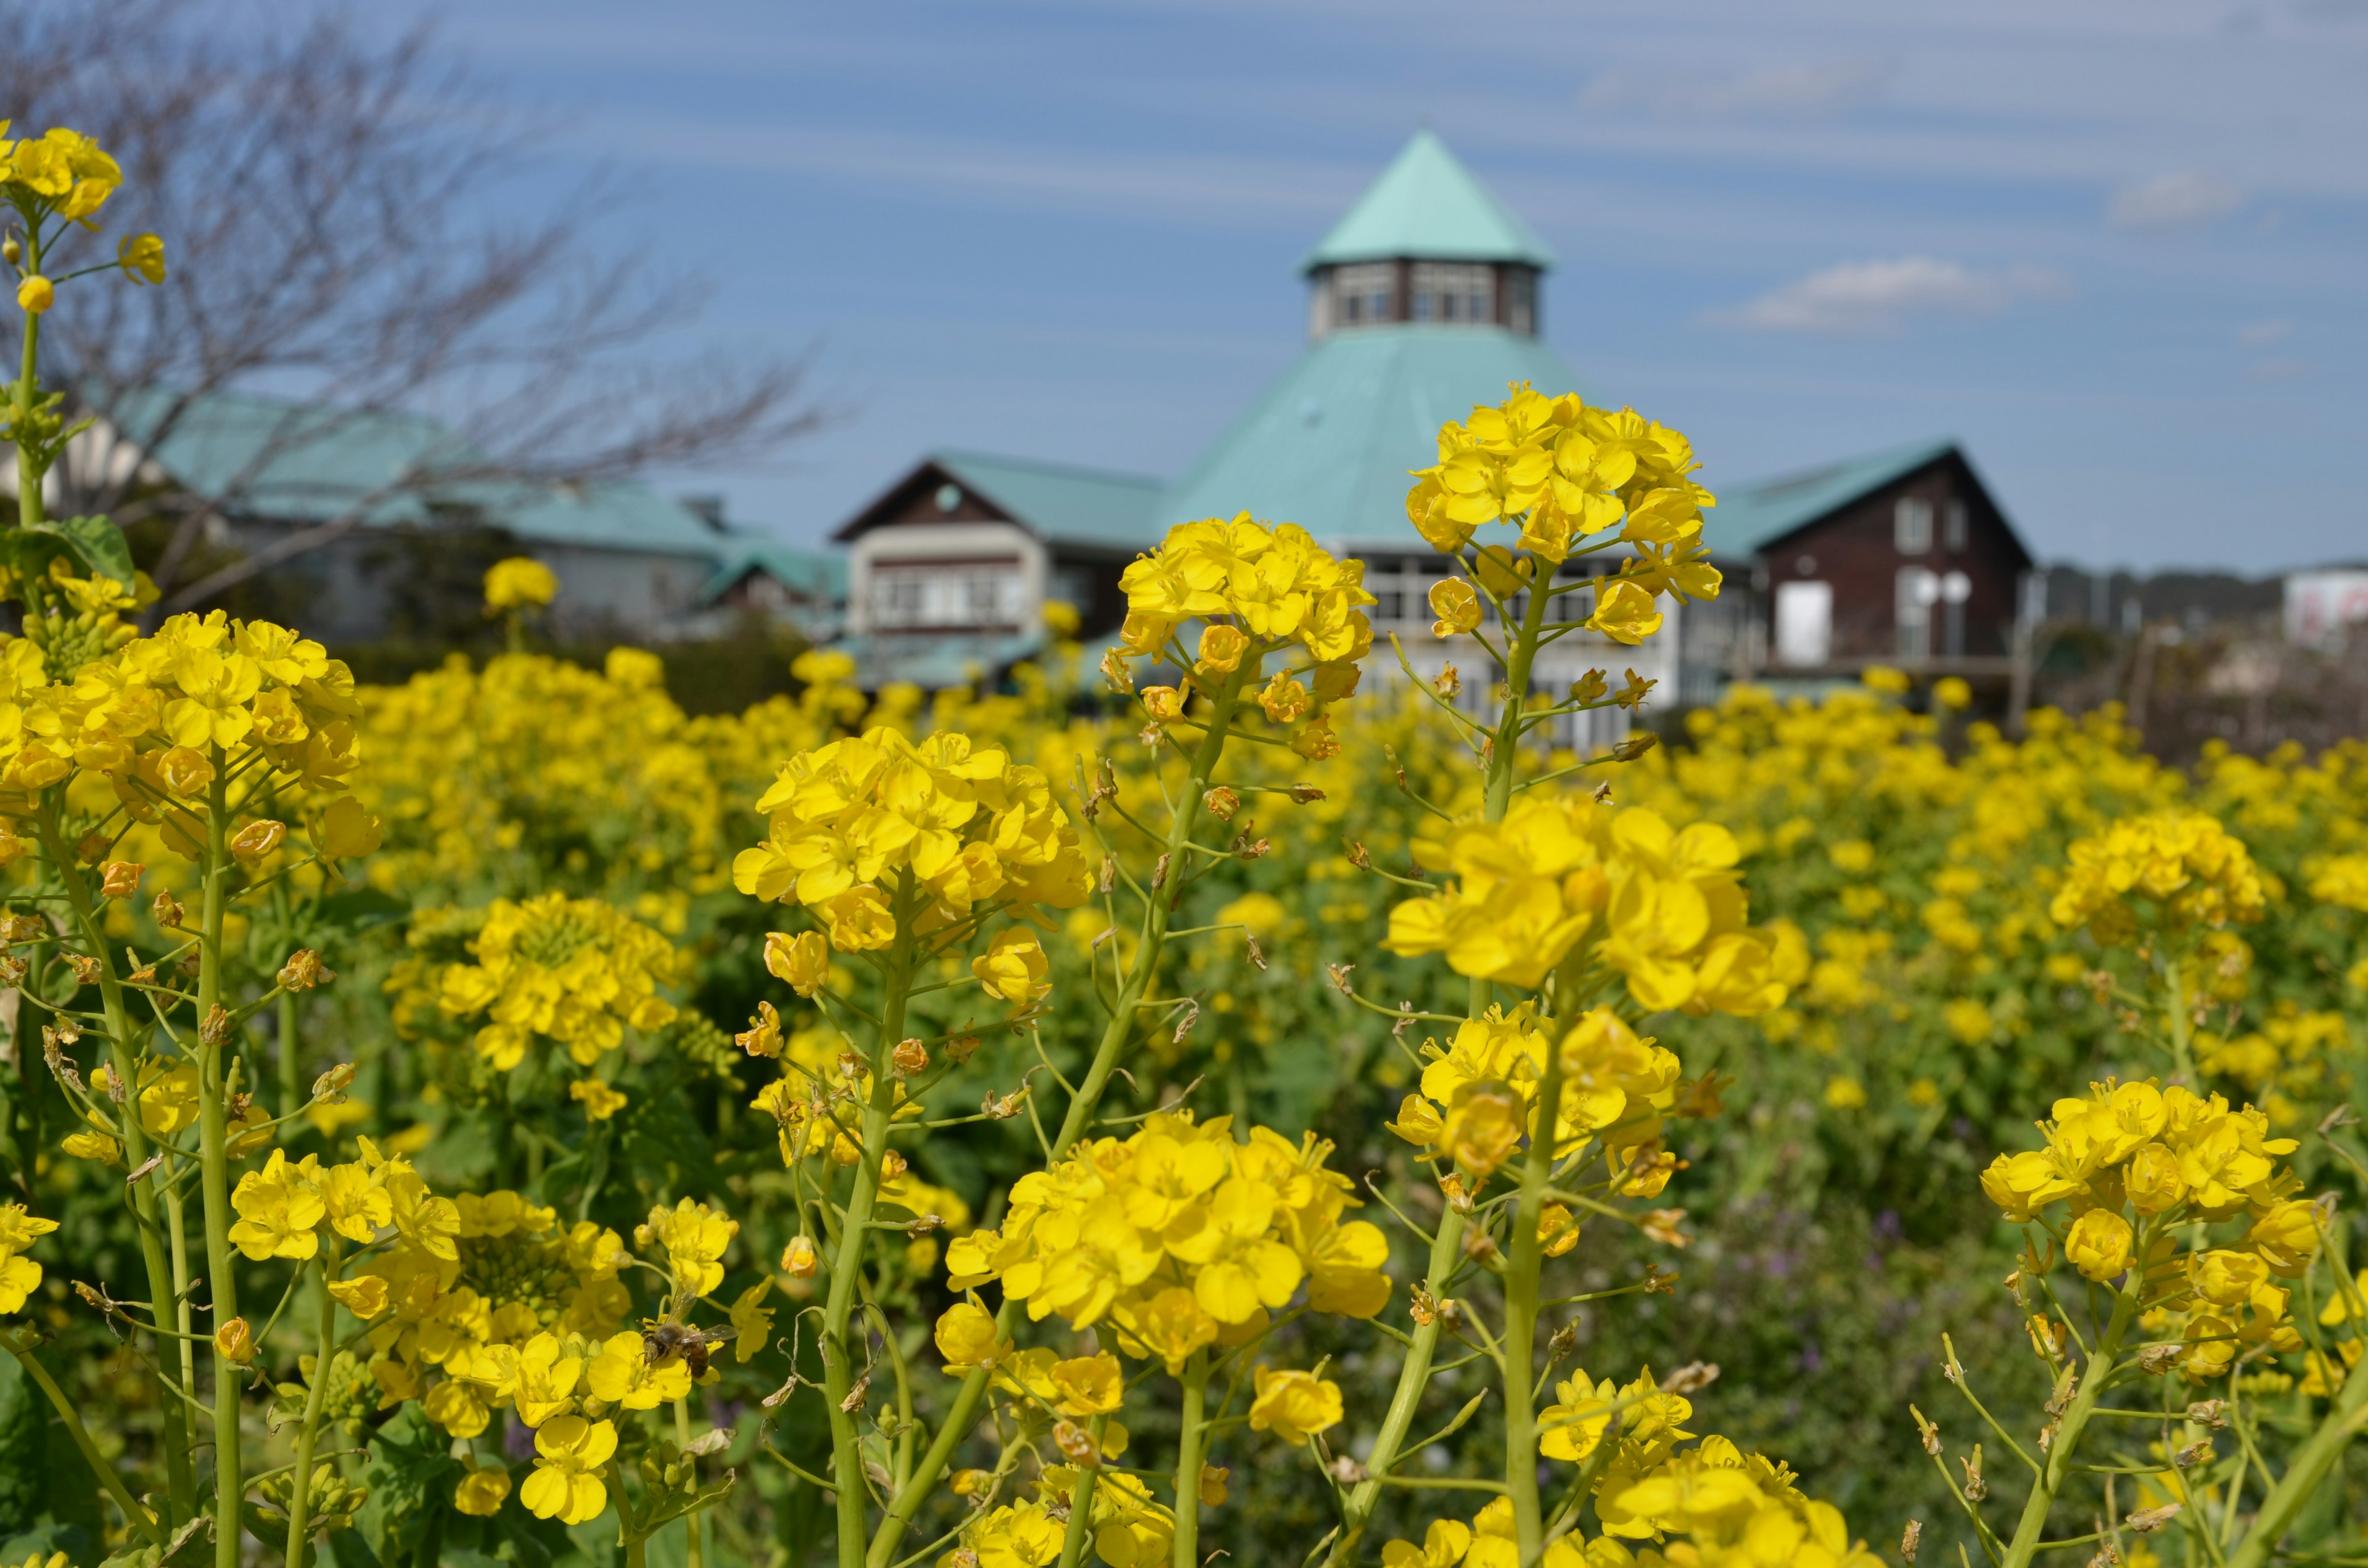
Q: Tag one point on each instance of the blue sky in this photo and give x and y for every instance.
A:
(2116, 246)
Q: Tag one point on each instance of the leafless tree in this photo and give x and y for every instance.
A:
(340, 244)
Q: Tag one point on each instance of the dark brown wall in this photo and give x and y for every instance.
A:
(1855, 550)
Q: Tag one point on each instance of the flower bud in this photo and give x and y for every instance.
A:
(2099, 1245)
(10, 251)
(909, 1058)
(255, 840)
(235, 1341)
(1163, 702)
(36, 294)
(798, 1258)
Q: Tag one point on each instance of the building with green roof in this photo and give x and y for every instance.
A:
(408, 495)
(1425, 299)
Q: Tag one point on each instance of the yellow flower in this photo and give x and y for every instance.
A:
(2099, 1245)
(1013, 968)
(36, 294)
(1456, 606)
(365, 1298)
(622, 1375)
(568, 1454)
(1443, 1546)
(802, 962)
(965, 1335)
(752, 1321)
(798, 1258)
(482, 1492)
(518, 582)
(1624, 611)
(1845, 1092)
(600, 1100)
(142, 256)
(695, 1237)
(278, 1206)
(1294, 1405)
(1090, 1385)
(96, 1146)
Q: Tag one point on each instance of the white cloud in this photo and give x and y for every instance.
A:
(2192, 198)
(1874, 298)
(1808, 91)
(2270, 372)
(2262, 333)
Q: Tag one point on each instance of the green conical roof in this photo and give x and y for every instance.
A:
(1328, 446)
(1426, 205)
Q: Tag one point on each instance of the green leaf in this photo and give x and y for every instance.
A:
(96, 543)
(24, 1449)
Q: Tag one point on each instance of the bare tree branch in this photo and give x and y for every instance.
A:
(323, 198)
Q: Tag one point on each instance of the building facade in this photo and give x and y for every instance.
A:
(1426, 299)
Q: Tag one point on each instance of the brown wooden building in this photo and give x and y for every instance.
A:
(1899, 557)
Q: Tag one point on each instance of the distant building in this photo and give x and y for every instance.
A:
(630, 561)
(1424, 299)
(1900, 557)
(2322, 607)
(949, 571)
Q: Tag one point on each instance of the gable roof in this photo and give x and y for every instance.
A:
(1090, 509)
(1329, 444)
(1752, 516)
(295, 462)
(817, 575)
(1426, 205)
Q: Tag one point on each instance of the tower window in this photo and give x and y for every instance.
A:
(1454, 292)
(1366, 293)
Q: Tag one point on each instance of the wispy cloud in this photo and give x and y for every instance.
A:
(2175, 203)
(1876, 299)
(2262, 333)
(2272, 372)
(1807, 91)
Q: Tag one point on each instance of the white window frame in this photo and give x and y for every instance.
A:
(1805, 622)
(1911, 525)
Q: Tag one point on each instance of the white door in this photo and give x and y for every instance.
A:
(1805, 622)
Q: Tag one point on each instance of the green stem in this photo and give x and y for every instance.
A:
(29, 506)
(2056, 1465)
(213, 1155)
(180, 1482)
(291, 1078)
(1081, 1504)
(695, 1547)
(1191, 1443)
(324, 1351)
(970, 1401)
(2308, 1468)
(855, 1231)
(1447, 1246)
(133, 1511)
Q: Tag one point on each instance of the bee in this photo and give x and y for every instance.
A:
(663, 1341)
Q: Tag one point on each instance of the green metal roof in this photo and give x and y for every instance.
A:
(1426, 205)
(1752, 516)
(1329, 444)
(808, 572)
(1060, 502)
(937, 661)
(293, 463)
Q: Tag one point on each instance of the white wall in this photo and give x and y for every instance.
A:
(903, 544)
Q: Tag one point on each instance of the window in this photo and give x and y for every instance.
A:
(1454, 292)
(1911, 525)
(1520, 300)
(909, 596)
(1389, 604)
(1365, 293)
(1805, 622)
(1955, 528)
(1917, 590)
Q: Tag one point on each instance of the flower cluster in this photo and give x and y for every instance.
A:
(164, 718)
(1666, 908)
(1177, 1236)
(470, 1296)
(1479, 1101)
(866, 825)
(518, 582)
(1712, 1504)
(20, 1275)
(2192, 870)
(2137, 1166)
(578, 971)
(63, 172)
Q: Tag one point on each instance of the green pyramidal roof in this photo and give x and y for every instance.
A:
(1428, 205)
(1328, 445)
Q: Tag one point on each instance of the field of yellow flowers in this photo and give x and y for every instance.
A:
(1225, 1103)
